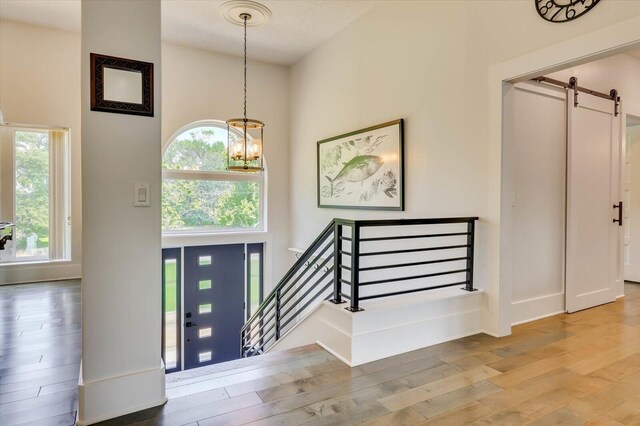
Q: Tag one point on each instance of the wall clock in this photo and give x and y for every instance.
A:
(563, 10)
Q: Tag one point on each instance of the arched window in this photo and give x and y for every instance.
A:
(198, 193)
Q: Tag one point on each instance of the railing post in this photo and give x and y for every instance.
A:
(355, 269)
(337, 264)
(277, 314)
(471, 229)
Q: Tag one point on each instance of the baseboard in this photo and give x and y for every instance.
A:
(334, 353)
(39, 272)
(112, 397)
(536, 308)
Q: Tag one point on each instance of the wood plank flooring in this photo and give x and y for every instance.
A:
(574, 369)
(40, 344)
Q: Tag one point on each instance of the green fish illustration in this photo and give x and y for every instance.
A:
(358, 169)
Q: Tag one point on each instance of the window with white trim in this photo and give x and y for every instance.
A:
(34, 192)
(198, 193)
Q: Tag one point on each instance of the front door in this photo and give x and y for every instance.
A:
(593, 197)
(213, 303)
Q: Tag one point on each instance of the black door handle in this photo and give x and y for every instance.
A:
(619, 219)
(190, 324)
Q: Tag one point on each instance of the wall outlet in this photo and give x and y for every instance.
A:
(141, 195)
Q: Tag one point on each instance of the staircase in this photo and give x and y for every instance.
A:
(360, 260)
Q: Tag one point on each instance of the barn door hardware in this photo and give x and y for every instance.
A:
(573, 85)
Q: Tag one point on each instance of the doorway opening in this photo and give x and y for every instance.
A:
(563, 187)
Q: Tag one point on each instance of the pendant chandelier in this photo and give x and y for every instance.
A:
(245, 135)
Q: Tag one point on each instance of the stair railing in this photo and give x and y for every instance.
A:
(361, 260)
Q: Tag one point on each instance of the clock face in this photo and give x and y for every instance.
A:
(563, 10)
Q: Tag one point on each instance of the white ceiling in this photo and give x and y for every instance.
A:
(296, 28)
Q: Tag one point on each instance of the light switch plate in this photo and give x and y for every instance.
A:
(141, 195)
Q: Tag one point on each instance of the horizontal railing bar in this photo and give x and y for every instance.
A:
(414, 277)
(312, 248)
(343, 281)
(308, 303)
(345, 267)
(346, 296)
(262, 321)
(345, 252)
(305, 282)
(345, 238)
(408, 237)
(402, 265)
(400, 222)
(294, 282)
(415, 290)
(378, 253)
(306, 293)
(263, 340)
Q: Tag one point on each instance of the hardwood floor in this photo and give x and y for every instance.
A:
(40, 343)
(574, 369)
(577, 369)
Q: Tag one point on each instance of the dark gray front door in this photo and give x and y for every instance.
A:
(213, 303)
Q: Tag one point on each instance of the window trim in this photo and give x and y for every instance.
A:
(228, 176)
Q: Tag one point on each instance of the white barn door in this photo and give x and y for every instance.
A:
(593, 166)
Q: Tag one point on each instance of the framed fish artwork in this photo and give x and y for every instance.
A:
(363, 169)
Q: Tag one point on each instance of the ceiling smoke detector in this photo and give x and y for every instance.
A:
(235, 10)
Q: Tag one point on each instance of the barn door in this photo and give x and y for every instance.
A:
(593, 202)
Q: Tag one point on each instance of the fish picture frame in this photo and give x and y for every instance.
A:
(363, 169)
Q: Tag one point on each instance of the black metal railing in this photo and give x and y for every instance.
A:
(360, 260)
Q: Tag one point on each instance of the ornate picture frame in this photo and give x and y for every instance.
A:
(362, 169)
(121, 86)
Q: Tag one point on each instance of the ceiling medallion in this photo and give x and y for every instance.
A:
(563, 10)
(234, 10)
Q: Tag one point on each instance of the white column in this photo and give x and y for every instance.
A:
(122, 371)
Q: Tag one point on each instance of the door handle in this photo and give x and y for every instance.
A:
(190, 324)
(619, 219)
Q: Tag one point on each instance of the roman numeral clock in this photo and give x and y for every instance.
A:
(563, 10)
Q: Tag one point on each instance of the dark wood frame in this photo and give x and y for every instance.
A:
(98, 103)
(400, 123)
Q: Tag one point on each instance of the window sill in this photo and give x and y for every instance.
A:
(34, 262)
(198, 234)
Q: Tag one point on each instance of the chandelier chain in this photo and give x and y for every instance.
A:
(245, 67)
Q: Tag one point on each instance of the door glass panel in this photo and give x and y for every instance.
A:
(170, 313)
(32, 194)
(254, 283)
(204, 356)
(204, 309)
(204, 284)
(204, 332)
(204, 260)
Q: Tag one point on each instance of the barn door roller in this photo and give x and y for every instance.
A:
(573, 84)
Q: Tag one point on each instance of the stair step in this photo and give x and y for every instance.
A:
(242, 370)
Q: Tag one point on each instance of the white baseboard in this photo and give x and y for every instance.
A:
(112, 397)
(533, 309)
(39, 272)
(389, 327)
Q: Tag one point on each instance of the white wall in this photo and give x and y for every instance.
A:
(632, 204)
(122, 370)
(427, 62)
(40, 84)
(197, 85)
(200, 85)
